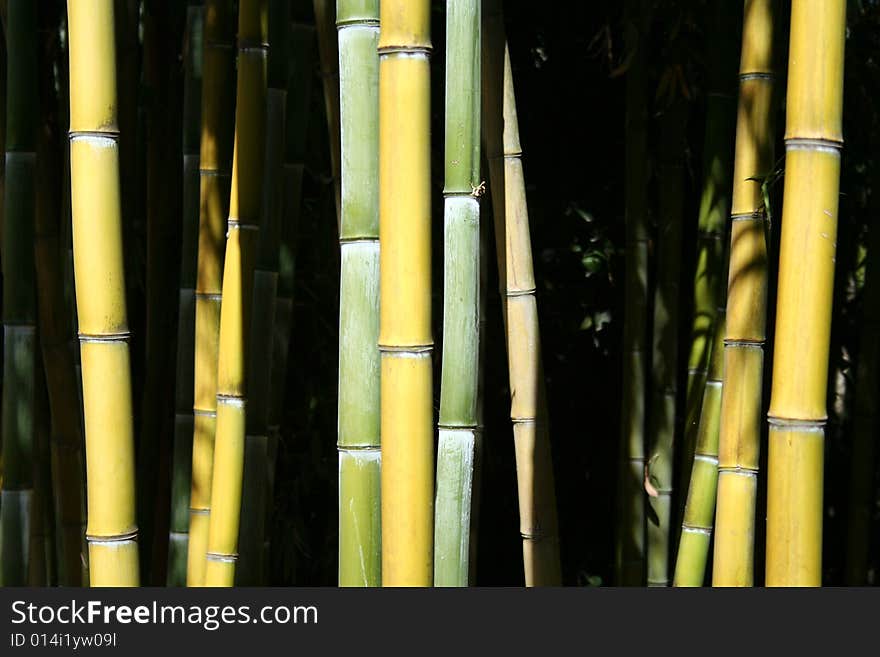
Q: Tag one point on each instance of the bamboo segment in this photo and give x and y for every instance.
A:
(238, 284)
(660, 464)
(181, 481)
(214, 170)
(631, 523)
(100, 295)
(739, 439)
(718, 150)
(405, 339)
(797, 415)
(19, 299)
(327, 48)
(459, 391)
(358, 441)
(252, 533)
(535, 484)
(699, 510)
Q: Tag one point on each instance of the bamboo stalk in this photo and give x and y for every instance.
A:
(631, 522)
(18, 506)
(328, 51)
(56, 331)
(739, 439)
(215, 154)
(238, 284)
(255, 486)
(797, 416)
(100, 286)
(459, 391)
(718, 149)
(699, 510)
(528, 413)
(664, 371)
(358, 441)
(405, 341)
(42, 562)
(181, 479)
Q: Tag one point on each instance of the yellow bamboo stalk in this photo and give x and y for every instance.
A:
(535, 484)
(214, 162)
(100, 295)
(238, 286)
(739, 438)
(797, 416)
(405, 339)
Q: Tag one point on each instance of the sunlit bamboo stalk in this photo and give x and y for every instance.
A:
(739, 439)
(797, 415)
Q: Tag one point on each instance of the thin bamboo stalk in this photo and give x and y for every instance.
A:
(664, 371)
(528, 412)
(181, 479)
(325, 22)
(215, 155)
(459, 391)
(18, 507)
(358, 440)
(255, 486)
(405, 339)
(100, 286)
(699, 510)
(718, 148)
(631, 522)
(797, 415)
(739, 439)
(56, 331)
(238, 285)
(42, 562)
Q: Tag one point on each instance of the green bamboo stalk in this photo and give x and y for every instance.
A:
(709, 276)
(252, 532)
(699, 510)
(630, 541)
(19, 299)
(358, 440)
(659, 468)
(458, 423)
(42, 562)
(181, 477)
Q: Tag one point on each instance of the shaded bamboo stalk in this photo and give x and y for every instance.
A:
(42, 564)
(709, 275)
(100, 295)
(250, 570)
(458, 425)
(405, 339)
(739, 439)
(325, 21)
(664, 373)
(797, 415)
(215, 156)
(358, 439)
(299, 92)
(631, 523)
(56, 329)
(864, 422)
(18, 506)
(181, 475)
(699, 509)
(248, 163)
(534, 465)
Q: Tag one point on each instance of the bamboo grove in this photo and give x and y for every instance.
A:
(408, 293)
